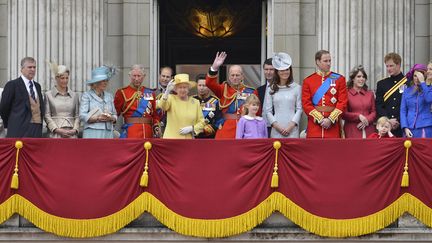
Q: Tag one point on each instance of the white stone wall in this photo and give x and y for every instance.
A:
(364, 31)
(127, 37)
(3, 42)
(69, 32)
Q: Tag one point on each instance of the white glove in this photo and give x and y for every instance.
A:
(186, 130)
(170, 87)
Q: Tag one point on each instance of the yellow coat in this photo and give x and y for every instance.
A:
(181, 114)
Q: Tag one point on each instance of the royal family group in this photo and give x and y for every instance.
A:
(401, 105)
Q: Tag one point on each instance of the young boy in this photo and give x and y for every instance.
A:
(383, 127)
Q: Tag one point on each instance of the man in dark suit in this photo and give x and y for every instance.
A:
(268, 74)
(389, 92)
(21, 106)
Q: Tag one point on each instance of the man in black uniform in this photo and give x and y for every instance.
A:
(389, 92)
(269, 72)
(210, 108)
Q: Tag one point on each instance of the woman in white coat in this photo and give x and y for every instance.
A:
(282, 103)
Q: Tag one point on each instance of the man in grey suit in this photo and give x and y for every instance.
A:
(21, 106)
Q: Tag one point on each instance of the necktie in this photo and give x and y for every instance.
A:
(32, 93)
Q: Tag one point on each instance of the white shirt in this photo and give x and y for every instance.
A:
(27, 84)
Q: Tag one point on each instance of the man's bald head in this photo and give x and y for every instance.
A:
(235, 75)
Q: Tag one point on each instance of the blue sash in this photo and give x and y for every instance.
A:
(324, 87)
(142, 105)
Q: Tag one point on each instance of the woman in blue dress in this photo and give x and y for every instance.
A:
(416, 116)
(97, 105)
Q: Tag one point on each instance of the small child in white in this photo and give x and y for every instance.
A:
(250, 125)
(383, 127)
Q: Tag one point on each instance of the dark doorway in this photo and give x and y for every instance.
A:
(237, 22)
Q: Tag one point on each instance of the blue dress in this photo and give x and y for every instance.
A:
(91, 104)
(415, 112)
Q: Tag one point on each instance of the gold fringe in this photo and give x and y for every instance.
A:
(15, 179)
(405, 175)
(211, 228)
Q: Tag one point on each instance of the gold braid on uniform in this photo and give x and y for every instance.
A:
(230, 98)
(318, 117)
(334, 115)
(131, 99)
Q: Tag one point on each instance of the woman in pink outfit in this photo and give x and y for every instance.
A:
(360, 113)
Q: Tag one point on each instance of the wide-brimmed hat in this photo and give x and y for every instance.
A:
(183, 78)
(416, 67)
(281, 61)
(101, 73)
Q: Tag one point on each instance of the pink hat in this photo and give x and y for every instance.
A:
(416, 67)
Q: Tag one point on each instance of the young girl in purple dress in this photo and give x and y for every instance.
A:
(250, 125)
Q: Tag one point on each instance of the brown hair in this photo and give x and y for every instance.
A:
(393, 56)
(27, 59)
(251, 99)
(354, 73)
(276, 81)
(320, 53)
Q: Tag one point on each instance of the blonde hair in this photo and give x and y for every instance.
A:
(382, 120)
(251, 99)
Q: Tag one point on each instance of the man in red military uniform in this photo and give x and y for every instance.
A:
(232, 95)
(137, 105)
(324, 99)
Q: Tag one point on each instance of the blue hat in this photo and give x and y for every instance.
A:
(101, 73)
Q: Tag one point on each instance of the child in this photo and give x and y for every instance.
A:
(384, 127)
(250, 125)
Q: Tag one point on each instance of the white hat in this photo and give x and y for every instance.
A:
(281, 61)
(58, 69)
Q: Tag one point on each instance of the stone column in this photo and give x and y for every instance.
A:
(127, 39)
(3, 41)
(295, 33)
(68, 32)
(363, 31)
(423, 31)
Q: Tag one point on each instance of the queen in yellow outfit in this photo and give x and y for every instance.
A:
(184, 114)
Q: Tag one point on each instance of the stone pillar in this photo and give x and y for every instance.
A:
(127, 39)
(423, 31)
(363, 31)
(68, 32)
(3, 41)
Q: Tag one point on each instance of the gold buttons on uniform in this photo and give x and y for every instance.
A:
(394, 98)
(393, 107)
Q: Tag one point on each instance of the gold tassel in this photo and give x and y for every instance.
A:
(275, 180)
(15, 179)
(405, 175)
(275, 176)
(144, 178)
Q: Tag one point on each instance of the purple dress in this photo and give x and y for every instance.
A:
(251, 127)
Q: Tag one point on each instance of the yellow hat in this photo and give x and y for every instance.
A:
(182, 78)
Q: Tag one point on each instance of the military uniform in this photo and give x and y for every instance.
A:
(389, 104)
(212, 115)
(231, 103)
(330, 105)
(138, 108)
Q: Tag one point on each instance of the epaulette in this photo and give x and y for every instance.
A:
(250, 89)
(382, 79)
(311, 74)
(215, 97)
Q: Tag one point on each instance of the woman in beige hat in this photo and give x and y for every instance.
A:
(184, 115)
(61, 106)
